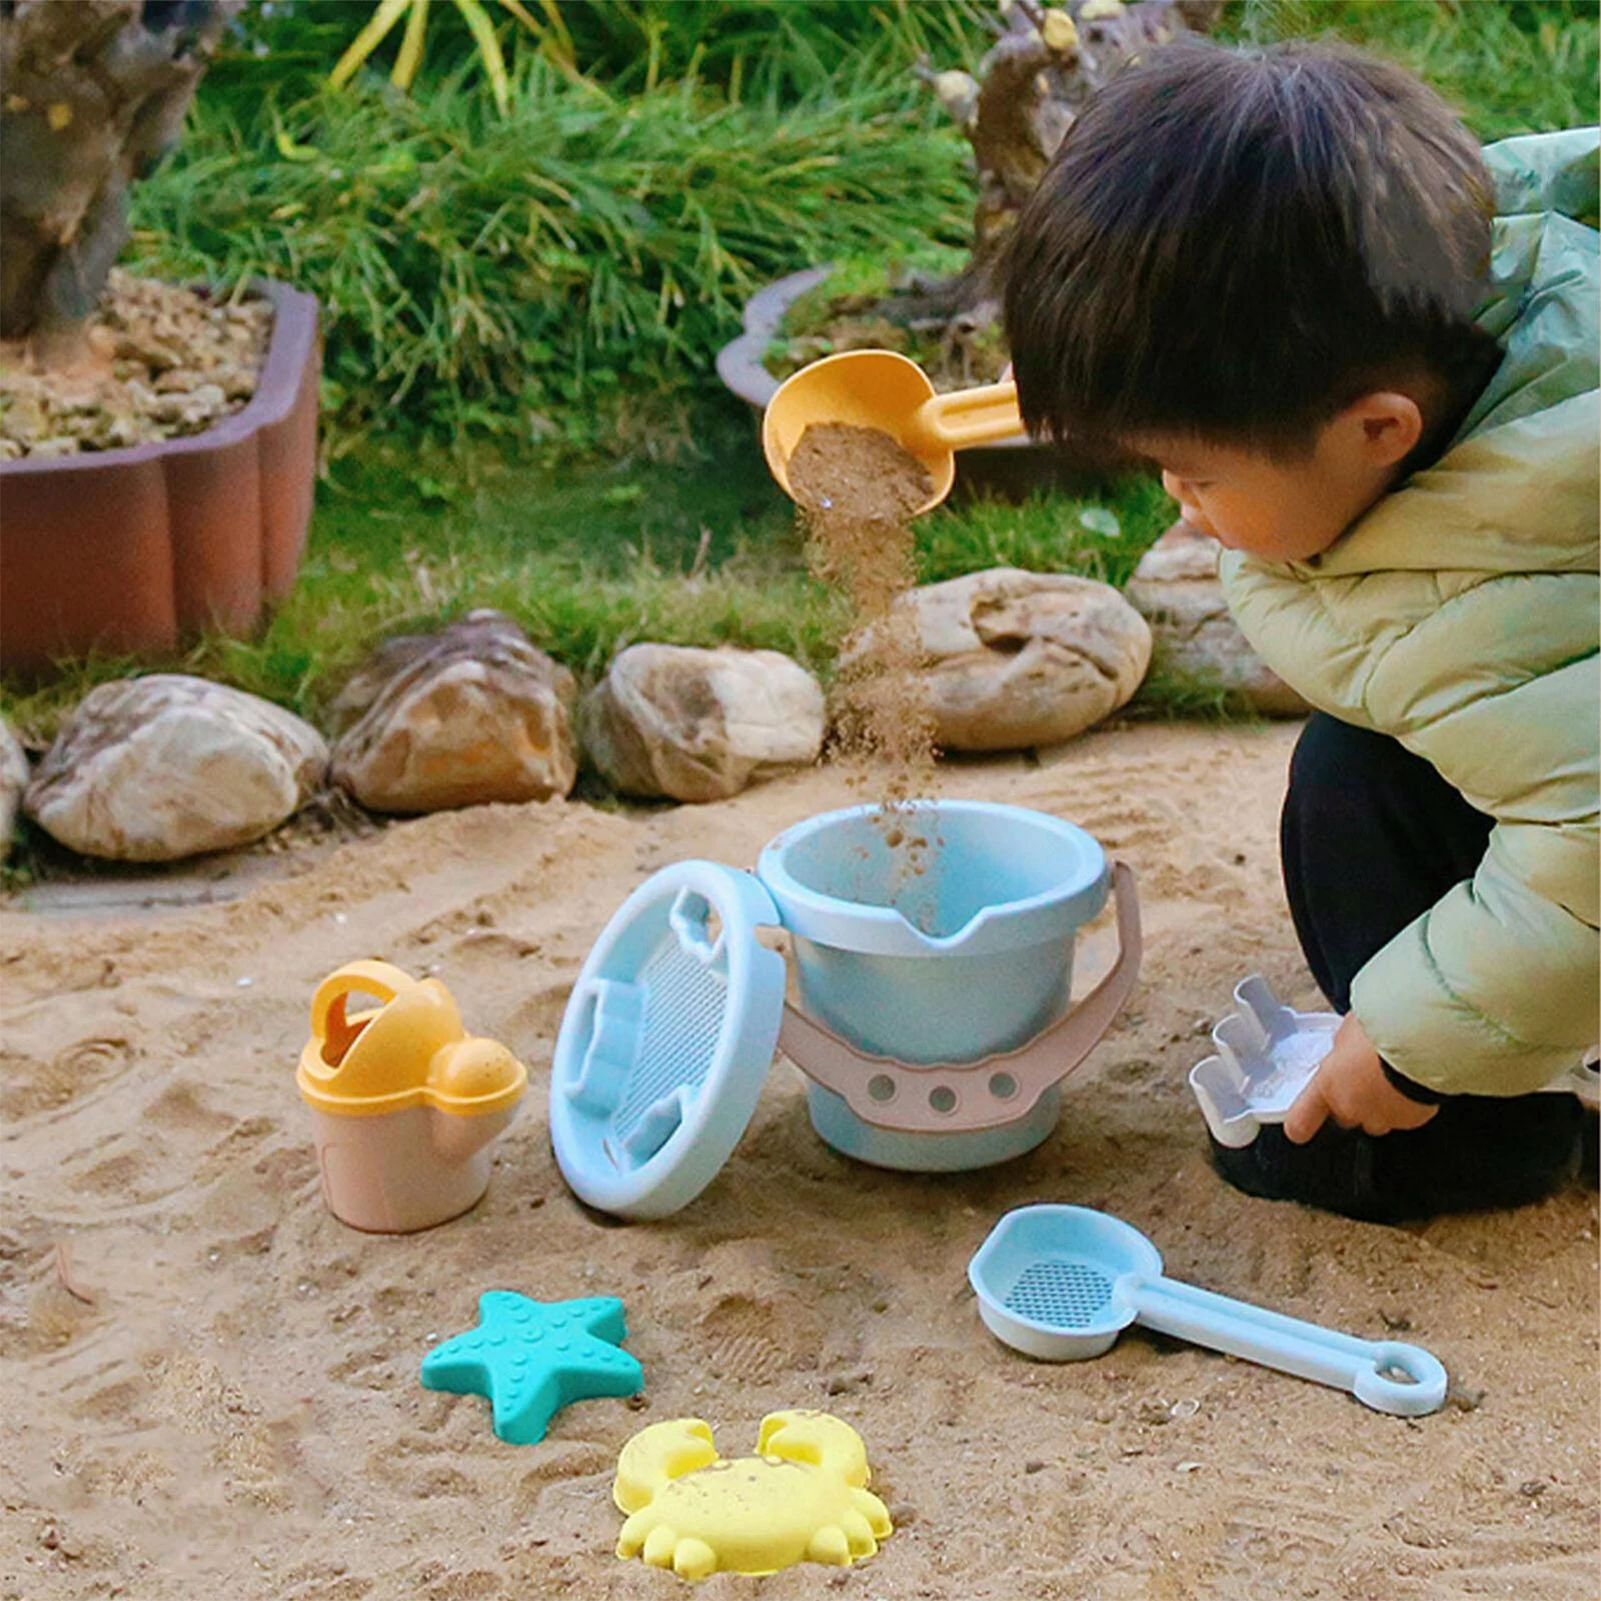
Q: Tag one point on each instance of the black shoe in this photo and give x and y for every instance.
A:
(1477, 1153)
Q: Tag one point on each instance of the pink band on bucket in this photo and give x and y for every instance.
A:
(963, 1097)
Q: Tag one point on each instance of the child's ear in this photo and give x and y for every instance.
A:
(1384, 426)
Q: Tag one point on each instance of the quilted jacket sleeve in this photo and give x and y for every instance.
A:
(1496, 989)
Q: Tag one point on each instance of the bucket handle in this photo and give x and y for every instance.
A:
(963, 1097)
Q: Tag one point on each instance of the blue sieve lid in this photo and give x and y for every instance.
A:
(666, 1041)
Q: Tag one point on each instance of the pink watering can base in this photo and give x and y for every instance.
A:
(398, 1173)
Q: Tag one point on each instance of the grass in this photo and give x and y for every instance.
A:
(773, 51)
(566, 272)
(560, 274)
(1508, 66)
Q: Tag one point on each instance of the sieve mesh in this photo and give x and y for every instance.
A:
(1065, 1295)
(684, 1006)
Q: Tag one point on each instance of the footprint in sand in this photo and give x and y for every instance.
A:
(121, 1175)
(423, 1481)
(275, 1173)
(119, 1402)
(29, 1087)
(180, 1107)
(559, 1462)
(756, 1341)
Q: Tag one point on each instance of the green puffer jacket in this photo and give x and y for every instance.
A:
(1462, 616)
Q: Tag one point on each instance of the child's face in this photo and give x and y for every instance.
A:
(1289, 510)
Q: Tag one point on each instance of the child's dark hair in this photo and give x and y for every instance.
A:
(1235, 245)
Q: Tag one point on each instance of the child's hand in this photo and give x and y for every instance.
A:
(1350, 1087)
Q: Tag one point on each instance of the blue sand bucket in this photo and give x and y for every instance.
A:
(933, 974)
(941, 968)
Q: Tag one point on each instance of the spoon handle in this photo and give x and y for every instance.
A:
(969, 417)
(1384, 1374)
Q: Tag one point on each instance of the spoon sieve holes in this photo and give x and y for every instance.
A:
(881, 1087)
(942, 1099)
(1003, 1086)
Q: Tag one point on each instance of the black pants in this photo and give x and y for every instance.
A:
(1371, 837)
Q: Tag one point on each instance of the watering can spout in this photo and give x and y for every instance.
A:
(471, 1072)
(884, 390)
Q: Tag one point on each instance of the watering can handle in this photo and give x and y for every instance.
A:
(381, 980)
(960, 1098)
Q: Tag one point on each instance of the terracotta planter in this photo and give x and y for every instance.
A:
(1012, 469)
(128, 551)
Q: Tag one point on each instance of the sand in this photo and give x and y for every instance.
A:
(211, 1385)
(857, 489)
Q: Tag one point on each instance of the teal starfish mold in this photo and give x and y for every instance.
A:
(532, 1358)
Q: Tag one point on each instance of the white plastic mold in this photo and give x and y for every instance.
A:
(1266, 1053)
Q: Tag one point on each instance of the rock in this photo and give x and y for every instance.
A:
(13, 781)
(699, 725)
(473, 714)
(1176, 588)
(849, 1382)
(1019, 659)
(157, 768)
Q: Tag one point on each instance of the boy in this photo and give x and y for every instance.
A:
(1280, 275)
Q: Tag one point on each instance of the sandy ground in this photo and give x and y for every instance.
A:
(210, 1385)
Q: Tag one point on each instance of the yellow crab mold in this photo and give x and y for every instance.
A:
(802, 1498)
(405, 1104)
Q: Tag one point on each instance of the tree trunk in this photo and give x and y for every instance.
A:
(1018, 107)
(92, 94)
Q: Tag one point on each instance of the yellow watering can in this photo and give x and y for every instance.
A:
(880, 389)
(405, 1104)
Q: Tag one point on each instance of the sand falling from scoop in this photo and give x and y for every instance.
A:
(857, 489)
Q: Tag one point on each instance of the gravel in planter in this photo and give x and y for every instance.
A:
(165, 362)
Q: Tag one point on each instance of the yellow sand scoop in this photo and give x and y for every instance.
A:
(880, 389)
